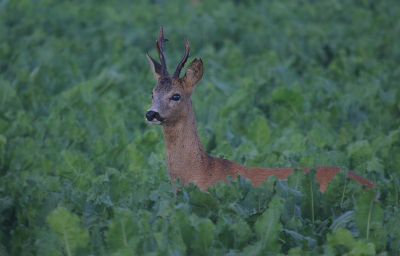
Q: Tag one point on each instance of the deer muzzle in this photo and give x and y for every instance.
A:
(154, 117)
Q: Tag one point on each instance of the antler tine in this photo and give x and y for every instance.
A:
(184, 59)
(160, 48)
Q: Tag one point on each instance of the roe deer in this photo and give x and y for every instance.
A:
(186, 158)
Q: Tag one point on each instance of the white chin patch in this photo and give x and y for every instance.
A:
(154, 122)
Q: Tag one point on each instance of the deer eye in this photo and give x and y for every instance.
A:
(176, 97)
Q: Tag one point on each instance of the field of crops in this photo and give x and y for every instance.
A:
(286, 84)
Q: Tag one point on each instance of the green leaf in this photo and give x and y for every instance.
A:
(342, 221)
(134, 156)
(3, 141)
(254, 250)
(232, 231)
(369, 219)
(338, 193)
(205, 236)
(359, 152)
(375, 164)
(241, 233)
(335, 192)
(293, 198)
(268, 226)
(341, 242)
(298, 252)
(182, 221)
(121, 230)
(307, 160)
(288, 97)
(368, 211)
(394, 190)
(34, 75)
(257, 199)
(321, 136)
(311, 200)
(294, 180)
(393, 228)
(74, 165)
(294, 239)
(69, 232)
(203, 204)
(225, 192)
(259, 132)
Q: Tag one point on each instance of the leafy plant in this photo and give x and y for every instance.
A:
(286, 84)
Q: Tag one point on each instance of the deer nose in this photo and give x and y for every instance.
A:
(150, 115)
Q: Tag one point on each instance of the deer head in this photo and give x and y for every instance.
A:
(171, 96)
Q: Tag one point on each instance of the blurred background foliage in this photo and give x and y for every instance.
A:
(286, 84)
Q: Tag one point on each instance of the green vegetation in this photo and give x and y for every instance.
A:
(286, 84)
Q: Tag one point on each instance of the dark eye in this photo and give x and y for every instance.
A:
(176, 97)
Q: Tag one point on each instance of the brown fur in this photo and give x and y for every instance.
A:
(187, 160)
(185, 155)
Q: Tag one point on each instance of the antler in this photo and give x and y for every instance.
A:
(184, 59)
(160, 47)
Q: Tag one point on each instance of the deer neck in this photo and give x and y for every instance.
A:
(185, 154)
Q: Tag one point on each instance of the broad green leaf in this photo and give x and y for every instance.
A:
(121, 230)
(296, 142)
(369, 219)
(3, 141)
(335, 192)
(393, 228)
(342, 221)
(134, 156)
(293, 198)
(66, 225)
(203, 204)
(288, 98)
(233, 232)
(359, 152)
(298, 252)
(294, 239)
(375, 164)
(147, 141)
(34, 75)
(259, 132)
(253, 250)
(311, 200)
(241, 233)
(241, 184)
(47, 244)
(307, 161)
(74, 90)
(183, 223)
(225, 192)
(338, 158)
(394, 190)
(73, 165)
(368, 211)
(205, 236)
(268, 226)
(124, 252)
(341, 242)
(166, 235)
(321, 136)
(294, 180)
(338, 193)
(257, 198)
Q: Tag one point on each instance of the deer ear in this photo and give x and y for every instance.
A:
(155, 67)
(193, 73)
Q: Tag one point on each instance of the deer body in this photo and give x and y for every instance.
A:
(185, 156)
